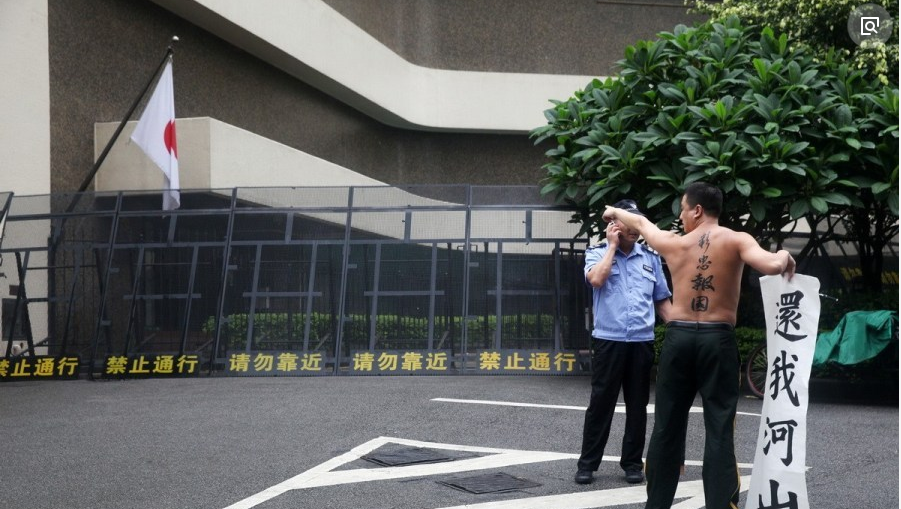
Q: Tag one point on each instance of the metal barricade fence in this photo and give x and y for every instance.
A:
(293, 281)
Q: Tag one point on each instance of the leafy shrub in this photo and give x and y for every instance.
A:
(783, 132)
(273, 330)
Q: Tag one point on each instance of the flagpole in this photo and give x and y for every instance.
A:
(87, 181)
(57, 232)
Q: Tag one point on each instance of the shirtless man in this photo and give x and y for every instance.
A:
(699, 352)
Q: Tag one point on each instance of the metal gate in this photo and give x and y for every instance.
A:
(319, 277)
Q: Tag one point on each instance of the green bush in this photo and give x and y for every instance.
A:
(273, 330)
(270, 329)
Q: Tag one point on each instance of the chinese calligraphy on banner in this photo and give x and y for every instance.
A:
(792, 311)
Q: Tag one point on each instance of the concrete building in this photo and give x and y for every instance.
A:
(398, 91)
(290, 93)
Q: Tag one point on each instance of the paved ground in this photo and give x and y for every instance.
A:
(216, 443)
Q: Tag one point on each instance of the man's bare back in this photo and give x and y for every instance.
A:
(706, 269)
(706, 263)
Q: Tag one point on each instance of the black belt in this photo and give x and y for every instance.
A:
(700, 325)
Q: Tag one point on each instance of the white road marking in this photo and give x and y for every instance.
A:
(510, 403)
(692, 490)
(324, 474)
(620, 407)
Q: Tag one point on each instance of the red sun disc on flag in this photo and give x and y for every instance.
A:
(169, 138)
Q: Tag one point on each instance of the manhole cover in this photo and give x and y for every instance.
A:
(406, 457)
(490, 483)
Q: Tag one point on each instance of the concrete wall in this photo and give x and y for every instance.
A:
(317, 45)
(523, 36)
(25, 132)
(24, 97)
(215, 155)
(103, 51)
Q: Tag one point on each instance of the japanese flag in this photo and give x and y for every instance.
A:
(155, 134)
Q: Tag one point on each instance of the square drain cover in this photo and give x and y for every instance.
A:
(407, 456)
(490, 483)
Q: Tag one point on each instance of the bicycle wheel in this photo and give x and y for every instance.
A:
(755, 371)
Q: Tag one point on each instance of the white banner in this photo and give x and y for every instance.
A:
(792, 311)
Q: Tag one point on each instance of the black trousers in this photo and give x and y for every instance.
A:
(701, 359)
(615, 365)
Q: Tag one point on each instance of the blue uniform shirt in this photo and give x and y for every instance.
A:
(624, 306)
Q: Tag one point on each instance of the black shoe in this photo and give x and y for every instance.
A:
(634, 476)
(584, 477)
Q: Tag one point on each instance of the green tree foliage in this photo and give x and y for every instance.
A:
(783, 133)
(821, 24)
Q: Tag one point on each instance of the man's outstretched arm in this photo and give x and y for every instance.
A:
(765, 262)
(655, 237)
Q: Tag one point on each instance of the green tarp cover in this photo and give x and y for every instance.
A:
(859, 335)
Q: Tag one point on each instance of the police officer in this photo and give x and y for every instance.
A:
(627, 283)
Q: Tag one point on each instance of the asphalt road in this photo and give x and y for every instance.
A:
(268, 443)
